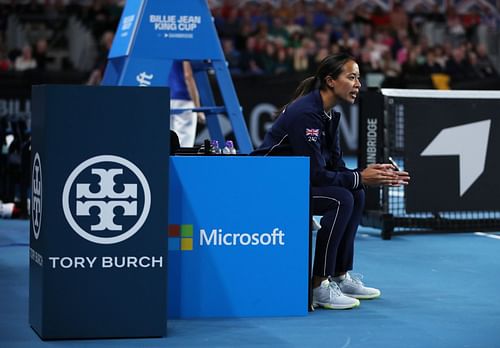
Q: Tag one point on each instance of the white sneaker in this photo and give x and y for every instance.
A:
(352, 286)
(6, 210)
(328, 295)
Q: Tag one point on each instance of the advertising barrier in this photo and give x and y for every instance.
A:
(371, 138)
(238, 236)
(449, 142)
(463, 147)
(98, 242)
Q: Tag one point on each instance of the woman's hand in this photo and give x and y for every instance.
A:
(384, 174)
(403, 178)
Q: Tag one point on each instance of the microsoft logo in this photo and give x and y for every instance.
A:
(180, 237)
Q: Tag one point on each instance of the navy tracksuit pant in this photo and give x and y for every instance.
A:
(341, 210)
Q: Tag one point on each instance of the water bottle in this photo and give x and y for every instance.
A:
(229, 148)
(214, 147)
(206, 148)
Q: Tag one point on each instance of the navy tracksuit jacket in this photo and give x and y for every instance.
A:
(304, 129)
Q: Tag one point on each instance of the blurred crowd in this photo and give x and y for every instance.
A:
(287, 36)
(399, 43)
(44, 26)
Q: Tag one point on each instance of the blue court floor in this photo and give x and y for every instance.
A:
(438, 290)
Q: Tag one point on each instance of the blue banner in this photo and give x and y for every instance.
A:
(238, 229)
(159, 29)
(98, 245)
(127, 28)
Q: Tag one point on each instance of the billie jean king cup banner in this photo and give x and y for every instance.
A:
(168, 29)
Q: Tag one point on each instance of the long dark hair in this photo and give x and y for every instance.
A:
(331, 65)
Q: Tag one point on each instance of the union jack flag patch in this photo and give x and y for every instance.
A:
(312, 134)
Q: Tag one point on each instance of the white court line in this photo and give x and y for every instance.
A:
(494, 236)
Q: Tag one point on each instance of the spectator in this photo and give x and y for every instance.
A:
(105, 46)
(417, 19)
(388, 66)
(97, 73)
(398, 18)
(346, 41)
(300, 60)
(322, 39)
(321, 54)
(25, 61)
(484, 63)
(99, 18)
(375, 49)
(403, 53)
(229, 26)
(232, 56)
(474, 71)
(431, 66)
(40, 54)
(454, 27)
(457, 67)
(365, 62)
(240, 40)
(380, 18)
(5, 63)
(411, 68)
(440, 56)
(248, 58)
(278, 30)
(295, 39)
(470, 22)
(267, 59)
(284, 62)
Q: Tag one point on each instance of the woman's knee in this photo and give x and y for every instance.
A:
(359, 195)
(333, 198)
(347, 200)
(359, 199)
